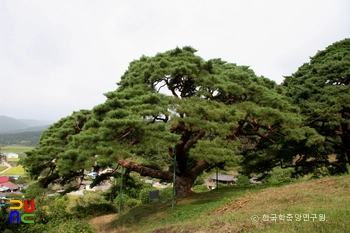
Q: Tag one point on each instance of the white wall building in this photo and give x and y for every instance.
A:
(11, 155)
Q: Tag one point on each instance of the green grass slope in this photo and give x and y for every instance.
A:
(313, 206)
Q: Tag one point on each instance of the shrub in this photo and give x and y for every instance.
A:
(131, 186)
(144, 194)
(166, 193)
(320, 172)
(243, 181)
(88, 206)
(200, 179)
(14, 196)
(127, 201)
(58, 207)
(111, 193)
(71, 226)
(22, 180)
(33, 191)
(134, 186)
(201, 188)
(279, 176)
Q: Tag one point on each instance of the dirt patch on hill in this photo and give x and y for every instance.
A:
(275, 199)
(100, 223)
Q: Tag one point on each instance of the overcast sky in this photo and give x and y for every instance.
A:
(57, 57)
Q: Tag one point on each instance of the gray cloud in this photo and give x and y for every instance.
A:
(61, 56)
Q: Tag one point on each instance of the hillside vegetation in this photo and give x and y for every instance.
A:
(244, 209)
(23, 139)
(24, 132)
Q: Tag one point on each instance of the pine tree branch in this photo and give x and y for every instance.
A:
(145, 171)
(137, 139)
(124, 136)
(337, 144)
(191, 142)
(199, 168)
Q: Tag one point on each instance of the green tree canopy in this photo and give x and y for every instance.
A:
(45, 161)
(321, 89)
(205, 112)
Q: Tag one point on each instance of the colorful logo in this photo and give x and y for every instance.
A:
(16, 213)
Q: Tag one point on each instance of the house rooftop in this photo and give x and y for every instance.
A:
(4, 179)
(225, 178)
(8, 184)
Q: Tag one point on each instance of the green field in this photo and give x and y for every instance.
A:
(13, 159)
(2, 168)
(18, 170)
(20, 150)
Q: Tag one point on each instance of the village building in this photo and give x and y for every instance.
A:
(224, 179)
(7, 186)
(10, 155)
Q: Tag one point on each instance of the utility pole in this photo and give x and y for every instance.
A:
(174, 178)
(121, 191)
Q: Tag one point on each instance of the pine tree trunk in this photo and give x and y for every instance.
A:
(183, 186)
(345, 137)
(183, 183)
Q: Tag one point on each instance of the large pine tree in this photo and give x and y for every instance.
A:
(176, 103)
(321, 89)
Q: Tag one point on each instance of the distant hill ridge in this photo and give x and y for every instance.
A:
(30, 129)
(13, 125)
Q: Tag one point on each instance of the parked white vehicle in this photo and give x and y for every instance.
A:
(87, 187)
(254, 181)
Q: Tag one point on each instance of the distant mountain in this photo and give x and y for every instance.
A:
(12, 125)
(30, 129)
(34, 123)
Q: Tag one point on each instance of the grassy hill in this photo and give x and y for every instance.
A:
(307, 206)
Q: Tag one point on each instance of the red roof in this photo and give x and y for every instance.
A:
(4, 179)
(8, 184)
